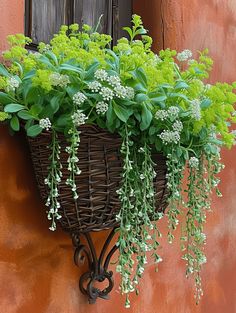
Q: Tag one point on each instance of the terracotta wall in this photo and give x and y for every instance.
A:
(36, 269)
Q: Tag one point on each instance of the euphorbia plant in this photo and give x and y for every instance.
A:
(156, 103)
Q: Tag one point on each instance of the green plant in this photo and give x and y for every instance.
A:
(147, 99)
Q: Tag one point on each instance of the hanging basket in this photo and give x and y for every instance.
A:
(100, 163)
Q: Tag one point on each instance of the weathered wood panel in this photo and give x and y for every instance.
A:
(89, 11)
(47, 17)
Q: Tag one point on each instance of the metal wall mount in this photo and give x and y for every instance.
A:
(97, 265)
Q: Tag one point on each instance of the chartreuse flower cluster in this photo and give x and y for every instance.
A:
(154, 106)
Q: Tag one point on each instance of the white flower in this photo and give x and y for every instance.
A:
(184, 55)
(173, 111)
(168, 136)
(195, 109)
(193, 162)
(12, 84)
(79, 118)
(129, 92)
(106, 93)
(101, 107)
(178, 126)
(94, 86)
(45, 123)
(161, 115)
(157, 59)
(113, 80)
(208, 86)
(191, 61)
(202, 259)
(79, 98)
(59, 80)
(142, 176)
(46, 48)
(101, 75)
(120, 92)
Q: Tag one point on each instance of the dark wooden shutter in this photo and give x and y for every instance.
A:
(44, 18)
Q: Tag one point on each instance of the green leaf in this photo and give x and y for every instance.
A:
(63, 120)
(89, 74)
(141, 31)
(35, 110)
(3, 71)
(179, 152)
(13, 107)
(14, 123)
(71, 68)
(6, 99)
(31, 94)
(178, 95)
(140, 88)
(146, 118)
(129, 31)
(181, 85)
(141, 77)
(159, 99)
(46, 61)
(56, 101)
(205, 103)
(141, 97)
(29, 75)
(51, 55)
(34, 130)
(25, 115)
(122, 113)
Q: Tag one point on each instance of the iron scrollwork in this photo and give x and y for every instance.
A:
(98, 266)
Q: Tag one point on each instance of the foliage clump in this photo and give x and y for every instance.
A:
(153, 102)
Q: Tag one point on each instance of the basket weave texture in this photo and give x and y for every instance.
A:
(100, 163)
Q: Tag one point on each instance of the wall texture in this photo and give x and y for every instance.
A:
(36, 269)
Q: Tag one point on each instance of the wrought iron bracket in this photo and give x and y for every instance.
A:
(98, 266)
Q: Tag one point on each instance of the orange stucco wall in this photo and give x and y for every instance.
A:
(36, 268)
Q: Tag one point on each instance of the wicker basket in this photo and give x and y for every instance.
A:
(101, 166)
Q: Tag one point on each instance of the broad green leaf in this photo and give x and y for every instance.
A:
(34, 130)
(71, 68)
(14, 123)
(146, 118)
(141, 97)
(25, 115)
(140, 88)
(63, 120)
(56, 101)
(31, 94)
(205, 103)
(141, 77)
(178, 95)
(6, 99)
(111, 118)
(122, 113)
(181, 85)
(29, 75)
(89, 74)
(3, 71)
(13, 107)
(46, 61)
(159, 99)
(35, 110)
(52, 56)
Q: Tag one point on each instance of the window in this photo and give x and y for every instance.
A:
(44, 18)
